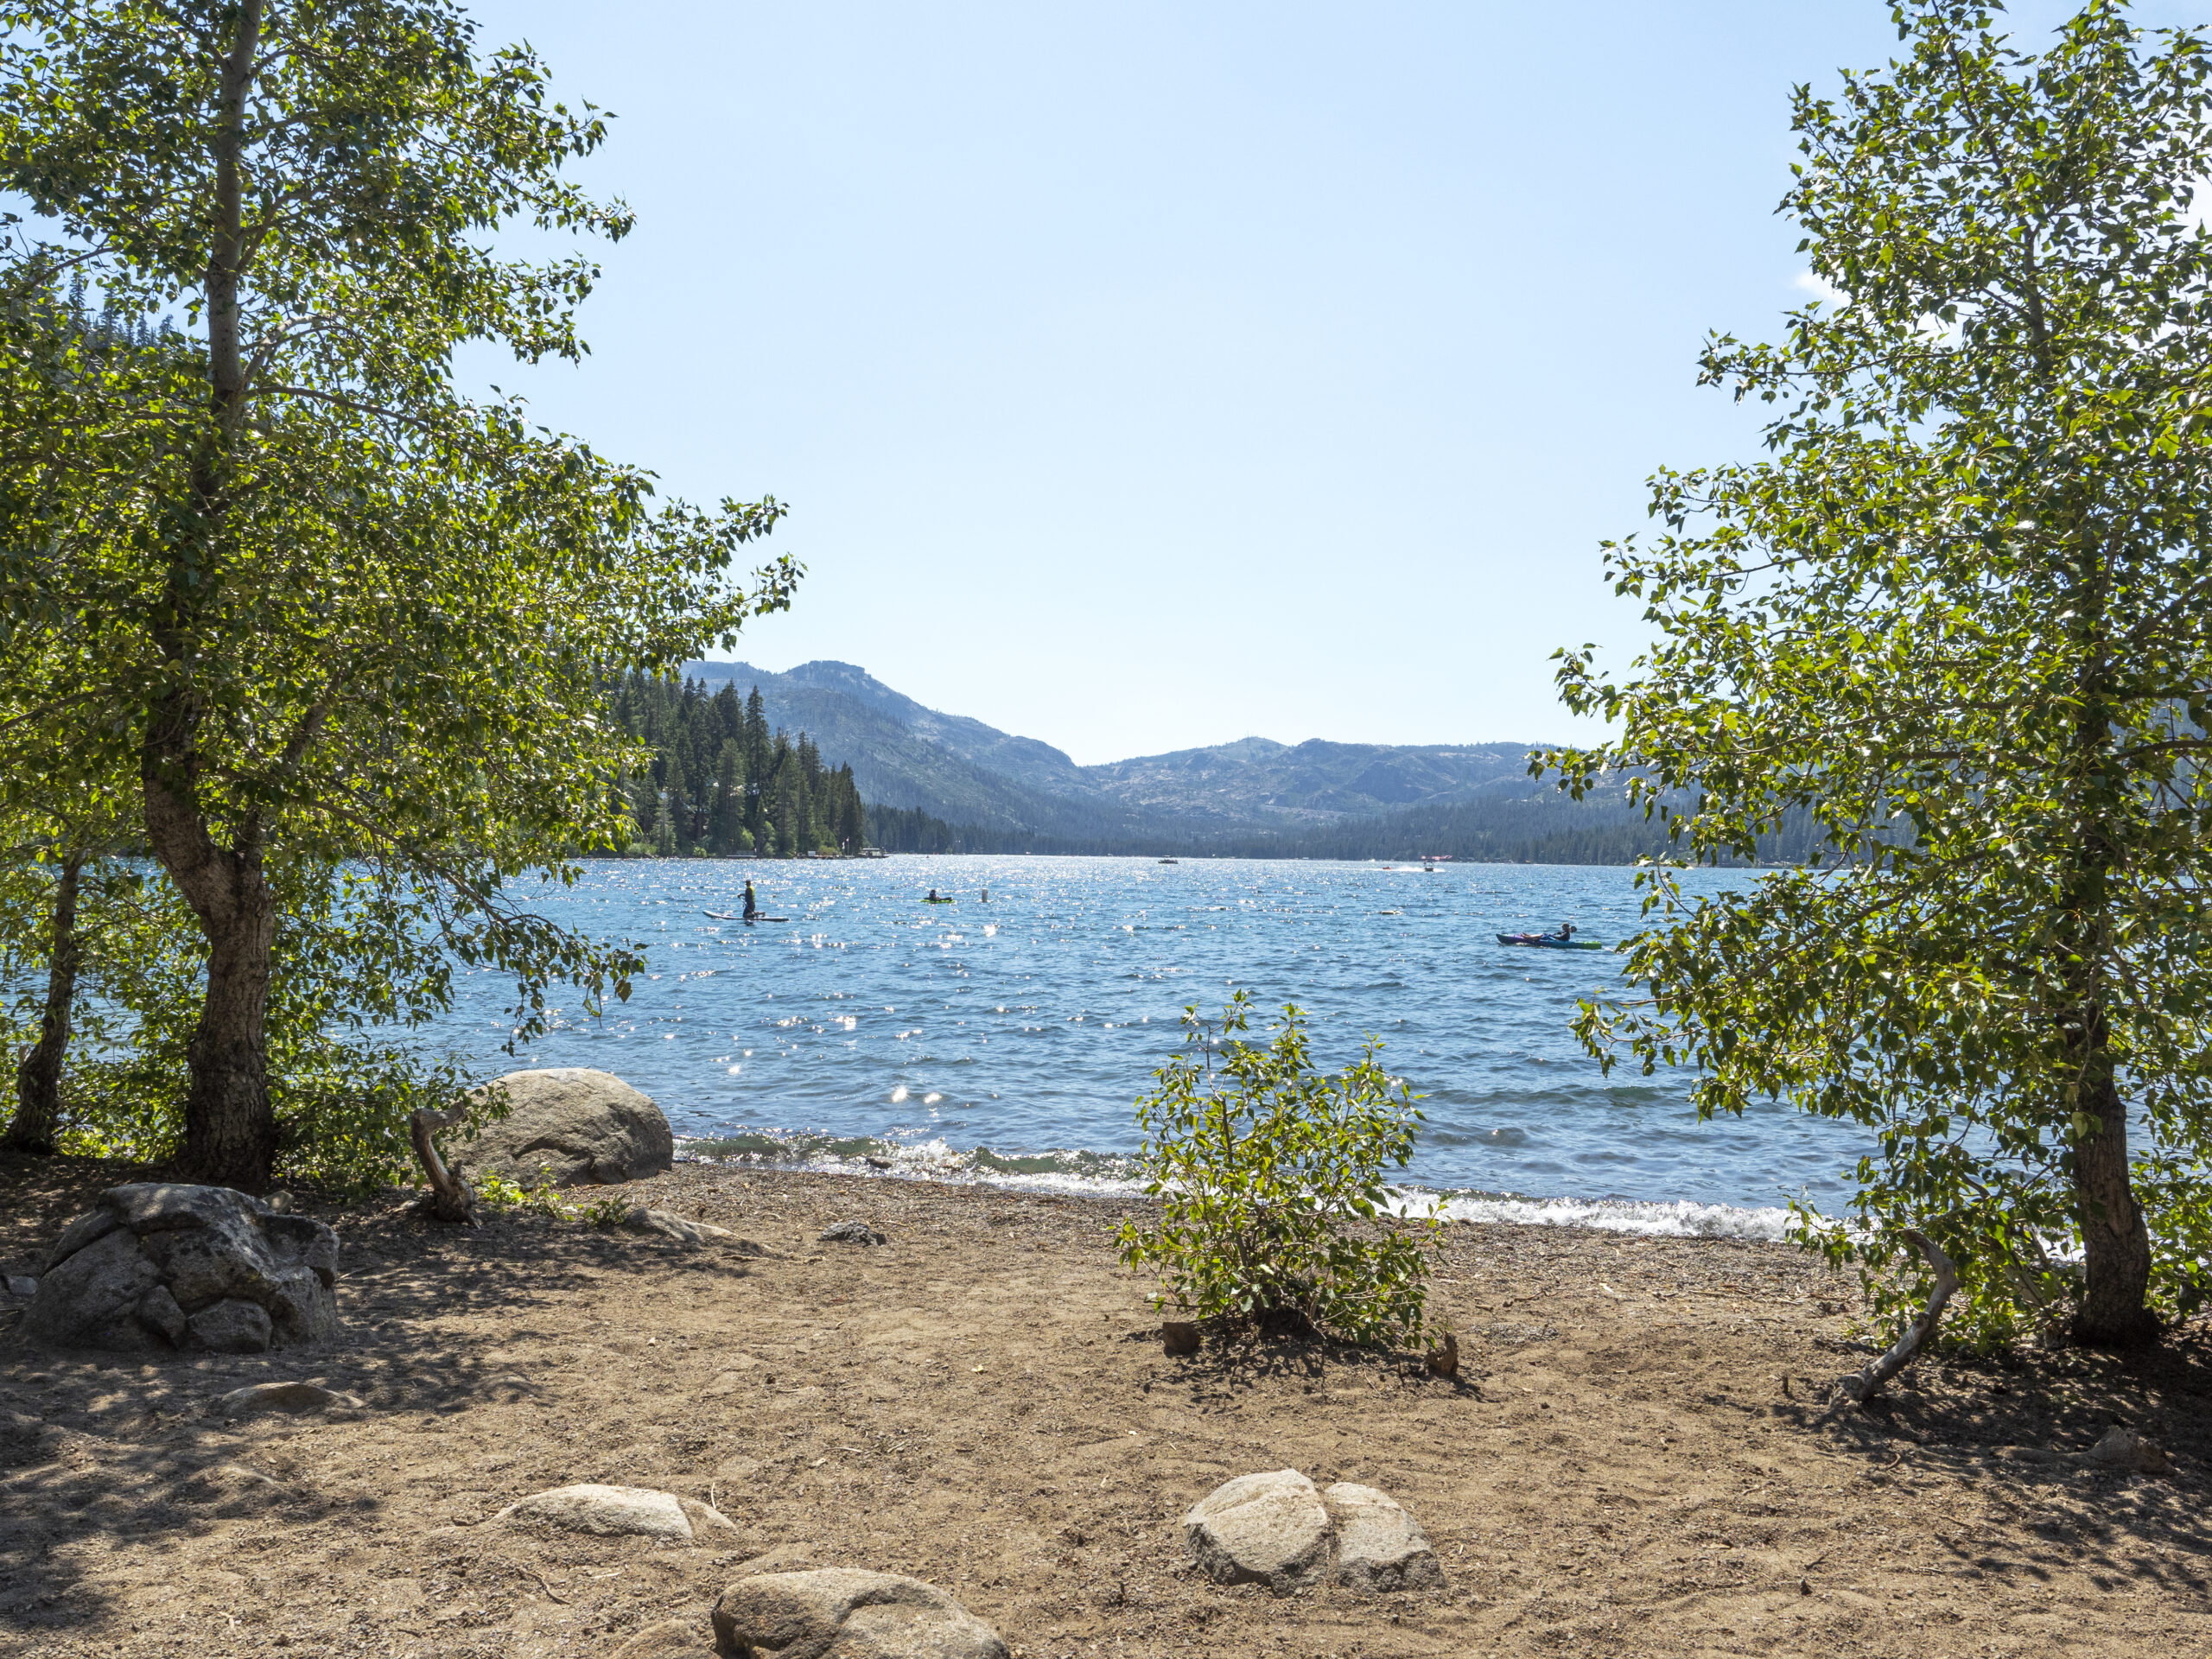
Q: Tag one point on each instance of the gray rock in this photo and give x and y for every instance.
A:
(158, 1311)
(2123, 1448)
(207, 1264)
(203, 1246)
(88, 1299)
(233, 1326)
(850, 1232)
(23, 1284)
(1379, 1545)
(159, 1206)
(1270, 1529)
(92, 1224)
(660, 1222)
(636, 1510)
(846, 1613)
(302, 1241)
(580, 1126)
(284, 1396)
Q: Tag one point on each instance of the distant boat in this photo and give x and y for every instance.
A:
(1171, 861)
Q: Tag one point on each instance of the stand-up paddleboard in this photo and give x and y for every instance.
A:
(764, 918)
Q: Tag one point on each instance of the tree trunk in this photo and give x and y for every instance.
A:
(2116, 1244)
(38, 1079)
(230, 1133)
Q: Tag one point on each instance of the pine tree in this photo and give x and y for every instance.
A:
(727, 828)
(679, 813)
(758, 772)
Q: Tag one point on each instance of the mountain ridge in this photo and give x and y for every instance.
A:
(907, 755)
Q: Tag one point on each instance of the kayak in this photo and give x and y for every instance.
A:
(937, 901)
(1549, 942)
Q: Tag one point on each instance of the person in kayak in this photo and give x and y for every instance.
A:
(751, 904)
(1566, 930)
(932, 897)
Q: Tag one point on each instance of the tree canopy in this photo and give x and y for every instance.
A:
(275, 567)
(1958, 613)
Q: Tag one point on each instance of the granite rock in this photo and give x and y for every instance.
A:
(1270, 1529)
(847, 1613)
(638, 1512)
(571, 1125)
(157, 1265)
(1379, 1544)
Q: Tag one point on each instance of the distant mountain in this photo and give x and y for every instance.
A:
(951, 767)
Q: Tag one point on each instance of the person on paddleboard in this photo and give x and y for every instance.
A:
(751, 904)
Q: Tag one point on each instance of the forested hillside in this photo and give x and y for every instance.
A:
(722, 781)
(871, 766)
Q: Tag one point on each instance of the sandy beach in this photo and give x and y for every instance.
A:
(1633, 1461)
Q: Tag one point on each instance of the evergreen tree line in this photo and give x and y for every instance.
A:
(720, 782)
(1544, 830)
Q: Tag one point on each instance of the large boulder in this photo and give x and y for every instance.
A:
(1379, 1544)
(154, 1266)
(1276, 1530)
(1270, 1529)
(842, 1612)
(575, 1125)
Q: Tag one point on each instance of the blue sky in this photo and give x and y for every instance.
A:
(1148, 376)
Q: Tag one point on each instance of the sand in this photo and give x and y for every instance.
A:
(1632, 1462)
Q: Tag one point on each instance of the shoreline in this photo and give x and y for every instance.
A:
(1632, 1460)
(1645, 1217)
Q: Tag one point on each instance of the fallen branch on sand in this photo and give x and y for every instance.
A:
(1862, 1385)
(449, 1197)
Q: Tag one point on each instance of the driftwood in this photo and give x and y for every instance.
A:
(450, 1197)
(1862, 1385)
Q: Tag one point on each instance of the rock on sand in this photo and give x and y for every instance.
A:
(580, 1126)
(1276, 1530)
(154, 1266)
(638, 1511)
(841, 1611)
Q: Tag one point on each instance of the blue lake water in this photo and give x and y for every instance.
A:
(1007, 1038)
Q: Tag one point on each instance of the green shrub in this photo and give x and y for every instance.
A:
(606, 1212)
(1270, 1178)
(498, 1193)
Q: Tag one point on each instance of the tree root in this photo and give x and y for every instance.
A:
(449, 1197)
(1862, 1385)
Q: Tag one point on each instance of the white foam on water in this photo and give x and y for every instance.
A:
(1079, 1174)
(1680, 1219)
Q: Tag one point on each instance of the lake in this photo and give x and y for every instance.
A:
(1005, 1036)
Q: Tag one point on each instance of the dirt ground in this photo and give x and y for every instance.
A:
(1630, 1463)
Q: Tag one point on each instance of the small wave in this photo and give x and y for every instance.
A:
(1100, 1174)
(1113, 1175)
(1680, 1219)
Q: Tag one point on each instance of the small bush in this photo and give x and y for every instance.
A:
(606, 1212)
(498, 1193)
(1270, 1178)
